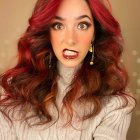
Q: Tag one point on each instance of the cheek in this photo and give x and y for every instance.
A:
(86, 41)
(55, 38)
(86, 38)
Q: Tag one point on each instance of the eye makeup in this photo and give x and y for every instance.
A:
(57, 26)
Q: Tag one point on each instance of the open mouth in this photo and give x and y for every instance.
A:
(70, 54)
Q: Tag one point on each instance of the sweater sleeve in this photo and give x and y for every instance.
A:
(116, 121)
(6, 129)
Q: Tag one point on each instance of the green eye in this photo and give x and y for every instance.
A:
(57, 26)
(84, 25)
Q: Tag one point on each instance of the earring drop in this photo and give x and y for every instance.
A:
(91, 49)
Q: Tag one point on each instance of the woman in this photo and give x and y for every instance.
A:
(68, 83)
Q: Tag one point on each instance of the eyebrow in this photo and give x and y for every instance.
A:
(83, 16)
(78, 18)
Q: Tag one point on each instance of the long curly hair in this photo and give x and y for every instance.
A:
(32, 82)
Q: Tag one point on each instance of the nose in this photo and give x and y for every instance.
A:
(70, 37)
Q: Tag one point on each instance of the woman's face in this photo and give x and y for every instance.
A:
(71, 32)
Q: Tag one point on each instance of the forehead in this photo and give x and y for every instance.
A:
(73, 8)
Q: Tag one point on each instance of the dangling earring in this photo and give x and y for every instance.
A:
(91, 49)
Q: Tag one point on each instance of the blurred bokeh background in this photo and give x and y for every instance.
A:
(14, 16)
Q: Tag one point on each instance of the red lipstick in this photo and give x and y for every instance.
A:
(70, 54)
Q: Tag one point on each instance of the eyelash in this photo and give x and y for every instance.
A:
(56, 24)
(87, 24)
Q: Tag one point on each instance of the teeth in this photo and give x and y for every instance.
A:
(69, 52)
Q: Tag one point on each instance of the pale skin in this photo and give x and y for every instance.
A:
(72, 32)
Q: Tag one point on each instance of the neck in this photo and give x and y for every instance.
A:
(67, 73)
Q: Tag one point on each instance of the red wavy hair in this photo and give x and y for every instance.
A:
(32, 82)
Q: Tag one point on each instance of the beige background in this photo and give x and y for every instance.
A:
(13, 21)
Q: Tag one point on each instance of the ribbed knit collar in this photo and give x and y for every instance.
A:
(67, 73)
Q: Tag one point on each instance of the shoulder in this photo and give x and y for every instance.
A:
(124, 102)
(115, 117)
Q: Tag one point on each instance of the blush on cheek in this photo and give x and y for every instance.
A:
(87, 37)
(56, 39)
(86, 42)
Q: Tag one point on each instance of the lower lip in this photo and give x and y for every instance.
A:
(70, 56)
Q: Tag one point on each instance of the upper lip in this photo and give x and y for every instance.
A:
(70, 50)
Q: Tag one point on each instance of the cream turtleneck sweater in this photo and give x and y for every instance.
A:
(111, 123)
